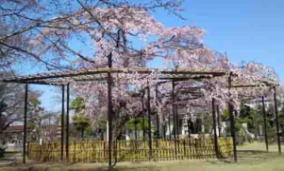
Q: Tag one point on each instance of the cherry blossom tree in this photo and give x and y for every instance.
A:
(83, 34)
(51, 27)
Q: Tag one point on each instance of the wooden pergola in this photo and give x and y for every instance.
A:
(65, 78)
(274, 87)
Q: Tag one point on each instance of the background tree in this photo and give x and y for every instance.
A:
(12, 104)
(81, 122)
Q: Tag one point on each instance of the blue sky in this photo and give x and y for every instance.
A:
(247, 30)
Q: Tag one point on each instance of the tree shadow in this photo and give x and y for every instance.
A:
(245, 156)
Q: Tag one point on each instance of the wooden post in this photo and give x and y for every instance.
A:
(149, 120)
(177, 122)
(136, 137)
(62, 123)
(219, 120)
(188, 127)
(174, 116)
(143, 115)
(164, 128)
(215, 129)
(25, 123)
(157, 115)
(109, 111)
(135, 128)
(277, 120)
(232, 120)
(158, 125)
(67, 122)
(265, 124)
(169, 125)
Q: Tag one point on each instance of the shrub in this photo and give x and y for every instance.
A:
(2, 151)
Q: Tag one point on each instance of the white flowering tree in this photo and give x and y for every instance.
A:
(83, 34)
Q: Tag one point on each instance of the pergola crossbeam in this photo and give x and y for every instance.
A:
(65, 77)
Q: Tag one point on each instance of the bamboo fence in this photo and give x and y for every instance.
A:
(97, 151)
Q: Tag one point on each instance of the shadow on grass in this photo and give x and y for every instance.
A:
(35, 166)
(252, 151)
(245, 156)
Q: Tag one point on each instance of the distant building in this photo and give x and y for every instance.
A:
(12, 138)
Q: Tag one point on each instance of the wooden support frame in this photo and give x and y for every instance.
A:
(149, 120)
(62, 123)
(143, 115)
(277, 120)
(101, 74)
(109, 111)
(157, 115)
(265, 124)
(232, 120)
(174, 113)
(25, 123)
(219, 120)
(105, 74)
(216, 148)
(67, 121)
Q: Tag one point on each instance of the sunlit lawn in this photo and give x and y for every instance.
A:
(251, 158)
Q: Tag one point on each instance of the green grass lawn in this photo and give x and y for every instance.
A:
(252, 157)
